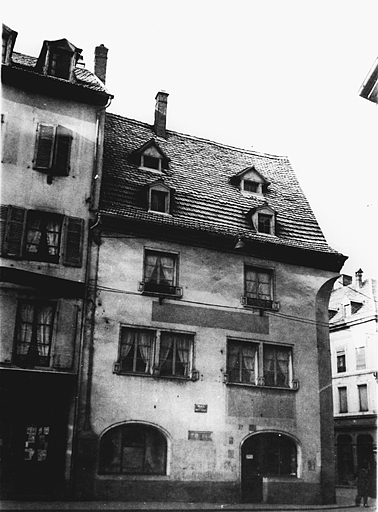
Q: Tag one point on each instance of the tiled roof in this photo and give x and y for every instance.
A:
(205, 200)
(82, 77)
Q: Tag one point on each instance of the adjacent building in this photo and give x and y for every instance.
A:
(52, 128)
(369, 89)
(354, 350)
(207, 376)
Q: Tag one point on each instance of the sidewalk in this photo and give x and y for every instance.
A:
(344, 496)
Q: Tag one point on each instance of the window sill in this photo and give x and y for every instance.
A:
(193, 378)
(256, 386)
(167, 214)
(150, 169)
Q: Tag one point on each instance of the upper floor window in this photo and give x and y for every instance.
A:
(263, 219)
(252, 186)
(363, 397)
(343, 399)
(258, 288)
(53, 149)
(360, 358)
(136, 449)
(41, 236)
(265, 223)
(159, 197)
(34, 327)
(155, 352)
(160, 273)
(341, 361)
(260, 363)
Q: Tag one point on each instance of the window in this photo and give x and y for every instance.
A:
(269, 453)
(363, 397)
(160, 274)
(341, 364)
(34, 326)
(251, 186)
(360, 358)
(41, 236)
(151, 162)
(159, 197)
(264, 223)
(258, 288)
(60, 63)
(43, 231)
(343, 400)
(355, 307)
(53, 149)
(135, 449)
(260, 364)
(155, 352)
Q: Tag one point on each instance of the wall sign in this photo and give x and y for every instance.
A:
(195, 435)
(200, 407)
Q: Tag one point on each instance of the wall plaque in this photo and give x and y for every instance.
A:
(200, 407)
(195, 435)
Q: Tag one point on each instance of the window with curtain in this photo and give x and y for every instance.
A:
(242, 362)
(160, 272)
(258, 363)
(34, 327)
(156, 352)
(258, 287)
(43, 233)
(341, 361)
(343, 399)
(277, 365)
(133, 449)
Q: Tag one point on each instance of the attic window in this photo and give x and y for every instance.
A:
(263, 219)
(60, 64)
(159, 197)
(252, 186)
(151, 162)
(265, 223)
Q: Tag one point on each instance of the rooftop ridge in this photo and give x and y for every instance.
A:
(202, 139)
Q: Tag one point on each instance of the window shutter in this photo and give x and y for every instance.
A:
(44, 147)
(3, 225)
(8, 307)
(65, 335)
(73, 246)
(62, 151)
(14, 232)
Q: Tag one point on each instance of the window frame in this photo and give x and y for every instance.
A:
(153, 366)
(162, 189)
(149, 287)
(343, 399)
(341, 356)
(30, 360)
(361, 358)
(44, 218)
(259, 364)
(258, 301)
(363, 401)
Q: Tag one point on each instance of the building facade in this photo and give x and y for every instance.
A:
(354, 350)
(52, 128)
(207, 375)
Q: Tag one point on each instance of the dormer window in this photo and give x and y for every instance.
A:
(250, 182)
(59, 64)
(150, 162)
(150, 157)
(58, 59)
(159, 197)
(263, 219)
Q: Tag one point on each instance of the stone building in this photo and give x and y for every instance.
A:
(354, 351)
(207, 376)
(52, 127)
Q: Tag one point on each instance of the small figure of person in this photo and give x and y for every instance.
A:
(363, 484)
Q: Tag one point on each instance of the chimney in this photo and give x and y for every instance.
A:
(161, 114)
(359, 277)
(101, 57)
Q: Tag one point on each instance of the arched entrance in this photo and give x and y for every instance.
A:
(345, 467)
(265, 454)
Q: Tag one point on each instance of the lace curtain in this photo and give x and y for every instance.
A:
(142, 343)
(159, 269)
(34, 329)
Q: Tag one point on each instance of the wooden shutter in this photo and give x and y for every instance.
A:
(65, 335)
(44, 147)
(62, 152)
(3, 225)
(14, 232)
(73, 241)
(8, 308)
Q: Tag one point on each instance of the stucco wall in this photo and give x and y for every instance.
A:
(211, 282)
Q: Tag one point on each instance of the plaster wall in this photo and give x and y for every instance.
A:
(214, 282)
(66, 195)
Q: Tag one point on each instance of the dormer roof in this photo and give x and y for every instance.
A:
(249, 173)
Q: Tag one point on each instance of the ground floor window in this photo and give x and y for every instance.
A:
(270, 454)
(133, 449)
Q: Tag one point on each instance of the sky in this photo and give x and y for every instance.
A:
(276, 76)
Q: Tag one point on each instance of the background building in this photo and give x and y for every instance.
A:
(354, 350)
(369, 89)
(208, 374)
(52, 128)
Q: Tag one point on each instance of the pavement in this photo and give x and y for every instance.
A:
(344, 501)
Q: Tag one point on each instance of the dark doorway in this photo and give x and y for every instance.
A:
(345, 466)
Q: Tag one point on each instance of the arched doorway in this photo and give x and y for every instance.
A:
(265, 454)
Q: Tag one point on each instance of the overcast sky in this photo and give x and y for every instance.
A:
(278, 76)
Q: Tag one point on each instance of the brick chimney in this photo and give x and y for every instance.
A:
(100, 60)
(358, 275)
(161, 114)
